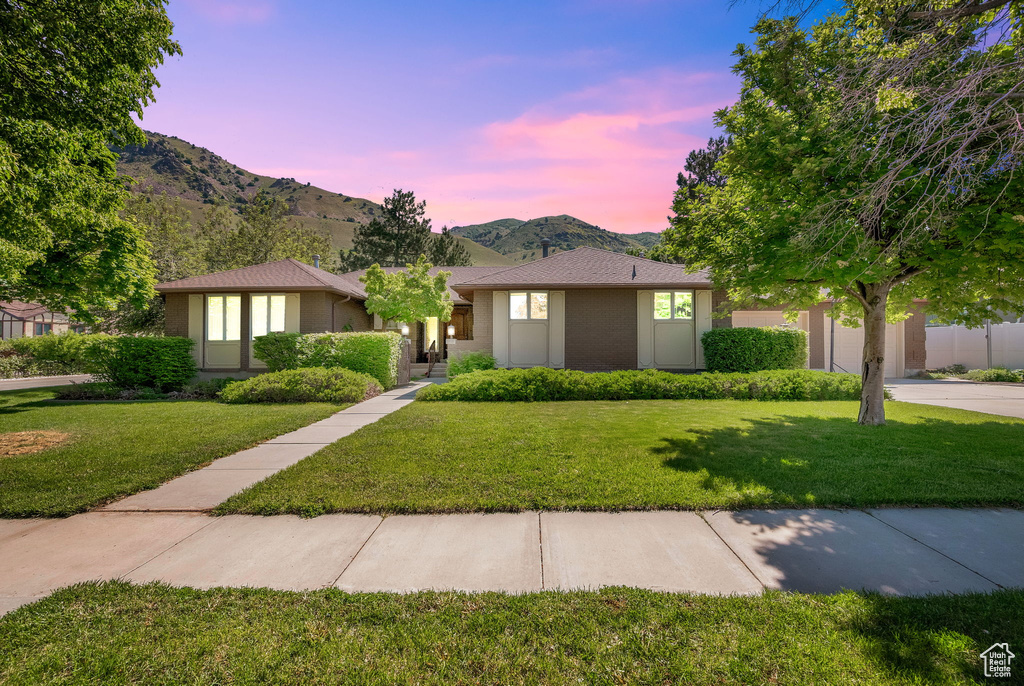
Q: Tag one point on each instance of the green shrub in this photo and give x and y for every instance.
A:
(309, 384)
(993, 374)
(543, 384)
(278, 350)
(469, 362)
(68, 352)
(752, 349)
(160, 363)
(373, 353)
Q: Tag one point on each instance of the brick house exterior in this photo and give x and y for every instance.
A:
(585, 309)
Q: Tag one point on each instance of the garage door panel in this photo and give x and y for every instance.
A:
(849, 349)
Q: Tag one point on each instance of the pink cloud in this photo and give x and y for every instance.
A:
(608, 154)
(234, 11)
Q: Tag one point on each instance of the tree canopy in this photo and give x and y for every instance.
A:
(72, 73)
(803, 217)
(399, 236)
(412, 295)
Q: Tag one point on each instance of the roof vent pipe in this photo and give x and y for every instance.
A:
(545, 243)
(316, 261)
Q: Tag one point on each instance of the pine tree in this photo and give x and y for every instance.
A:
(445, 250)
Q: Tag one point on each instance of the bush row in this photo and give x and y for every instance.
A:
(163, 364)
(49, 355)
(306, 385)
(752, 349)
(373, 353)
(543, 384)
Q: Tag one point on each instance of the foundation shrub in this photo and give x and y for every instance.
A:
(752, 349)
(543, 384)
(305, 385)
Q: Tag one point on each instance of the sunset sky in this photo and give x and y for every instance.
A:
(486, 110)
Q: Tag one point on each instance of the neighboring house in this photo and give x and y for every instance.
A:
(586, 309)
(18, 320)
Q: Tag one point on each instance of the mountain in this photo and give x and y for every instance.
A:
(202, 178)
(520, 240)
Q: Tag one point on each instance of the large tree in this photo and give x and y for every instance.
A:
(803, 216)
(72, 74)
(410, 295)
(399, 235)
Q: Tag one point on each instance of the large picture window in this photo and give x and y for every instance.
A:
(267, 314)
(528, 305)
(674, 305)
(223, 317)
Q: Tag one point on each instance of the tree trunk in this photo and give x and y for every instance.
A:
(872, 393)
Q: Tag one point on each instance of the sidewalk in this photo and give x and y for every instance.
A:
(893, 551)
(204, 489)
(42, 381)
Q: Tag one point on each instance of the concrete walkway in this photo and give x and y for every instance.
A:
(204, 489)
(1004, 399)
(42, 381)
(893, 551)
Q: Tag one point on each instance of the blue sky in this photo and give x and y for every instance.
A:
(485, 110)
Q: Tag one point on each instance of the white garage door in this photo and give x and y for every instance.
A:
(849, 348)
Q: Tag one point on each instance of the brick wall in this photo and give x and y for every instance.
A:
(176, 314)
(720, 303)
(314, 316)
(349, 312)
(600, 329)
(914, 348)
(483, 327)
(816, 336)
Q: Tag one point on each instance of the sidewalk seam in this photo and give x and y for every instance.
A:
(540, 541)
(700, 513)
(342, 573)
(170, 547)
(954, 560)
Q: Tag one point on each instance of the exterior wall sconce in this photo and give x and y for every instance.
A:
(405, 330)
(451, 331)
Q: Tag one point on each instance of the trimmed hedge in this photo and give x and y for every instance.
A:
(69, 351)
(469, 362)
(373, 353)
(543, 384)
(306, 385)
(754, 349)
(163, 364)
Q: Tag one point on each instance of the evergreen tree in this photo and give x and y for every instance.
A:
(400, 236)
(700, 166)
(446, 250)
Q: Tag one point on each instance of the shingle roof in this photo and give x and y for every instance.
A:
(22, 310)
(587, 267)
(458, 274)
(286, 274)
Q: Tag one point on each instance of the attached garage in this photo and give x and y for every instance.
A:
(844, 348)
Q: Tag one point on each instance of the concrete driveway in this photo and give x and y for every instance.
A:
(1005, 398)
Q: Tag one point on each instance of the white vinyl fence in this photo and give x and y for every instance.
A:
(948, 345)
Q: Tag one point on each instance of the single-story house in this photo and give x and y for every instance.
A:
(585, 309)
(19, 320)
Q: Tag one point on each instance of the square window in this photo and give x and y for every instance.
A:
(517, 306)
(538, 305)
(41, 329)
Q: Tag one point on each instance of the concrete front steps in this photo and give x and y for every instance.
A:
(439, 371)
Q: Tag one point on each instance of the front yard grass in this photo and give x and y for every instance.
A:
(115, 449)
(115, 633)
(655, 454)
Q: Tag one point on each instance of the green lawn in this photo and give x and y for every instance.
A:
(655, 454)
(115, 633)
(116, 449)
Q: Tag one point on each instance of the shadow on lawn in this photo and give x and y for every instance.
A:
(805, 461)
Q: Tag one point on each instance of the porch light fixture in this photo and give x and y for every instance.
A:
(405, 330)
(451, 331)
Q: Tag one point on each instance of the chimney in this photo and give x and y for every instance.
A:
(545, 243)
(316, 261)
